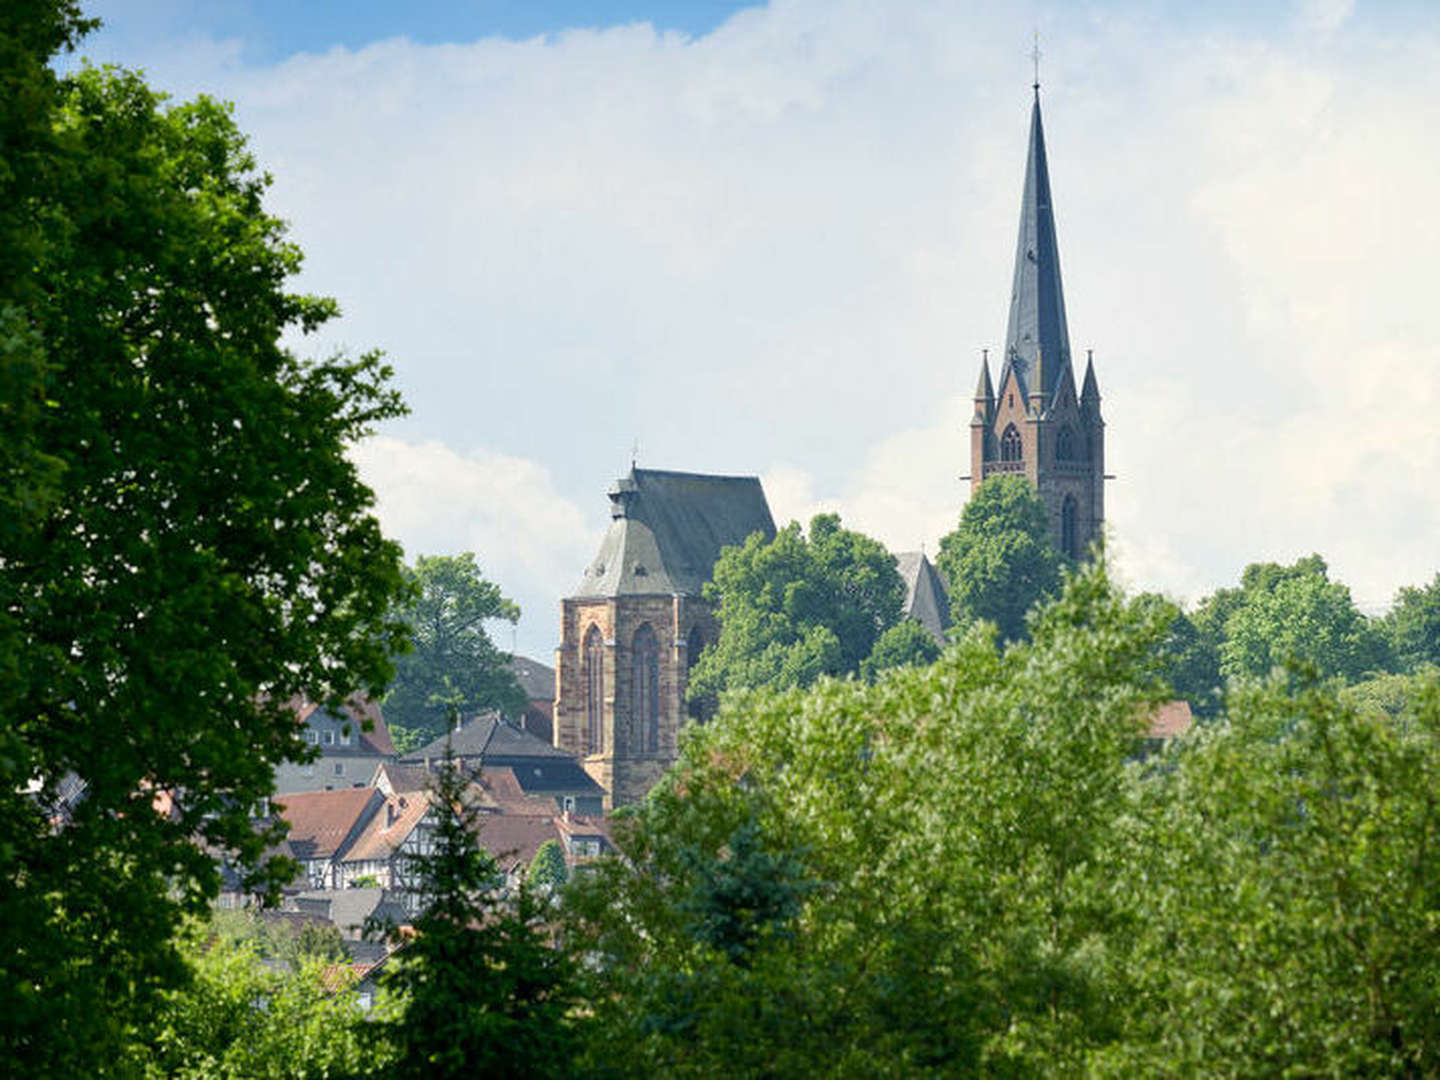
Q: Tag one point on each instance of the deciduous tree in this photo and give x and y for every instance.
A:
(1000, 561)
(452, 663)
(185, 544)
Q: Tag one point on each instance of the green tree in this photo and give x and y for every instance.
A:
(452, 662)
(190, 546)
(1283, 860)
(910, 877)
(483, 991)
(906, 644)
(547, 868)
(238, 1018)
(1297, 613)
(1000, 560)
(797, 607)
(1413, 625)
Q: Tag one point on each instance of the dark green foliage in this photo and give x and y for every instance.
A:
(186, 545)
(1000, 561)
(796, 608)
(483, 992)
(452, 662)
(1413, 625)
(906, 644)
(1186, 660)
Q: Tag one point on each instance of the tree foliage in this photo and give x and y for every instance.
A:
(1297, 613)
(482, 990)
(239, 1018)
(186, 545)
(547, 869)
(1000, 560)
(905, 644)
(452, 663)
(1413, 625)
(797, 607)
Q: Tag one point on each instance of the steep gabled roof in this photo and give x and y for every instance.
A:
(667, 529)
(360, 711)
(925, 598)
(535, 678)
(1037, 340)
(487, 736)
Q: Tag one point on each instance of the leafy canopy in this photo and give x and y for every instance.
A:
(452, 663)
(186, 545)
(797, 607)
(1000, 560)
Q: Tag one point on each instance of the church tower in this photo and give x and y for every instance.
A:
(1032, 423)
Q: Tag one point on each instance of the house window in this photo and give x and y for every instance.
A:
(1011, 447)
(329, 738)
(345, 737)
(645, 685)
(1069, 533)
(312, 736)
(594, 666)
(339, 768)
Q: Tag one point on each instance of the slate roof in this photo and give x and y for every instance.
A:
(536, 679)
(395, 778)
(925, 598)
(487, 736)
(514, 838)
(1037, 336)
(667, 529)
(349, 908)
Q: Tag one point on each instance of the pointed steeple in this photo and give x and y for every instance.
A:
(984, 391)
(1091, 391)
(1037, 301)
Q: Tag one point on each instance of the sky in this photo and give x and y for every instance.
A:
(773, 240)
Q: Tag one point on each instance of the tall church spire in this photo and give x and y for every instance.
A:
(1037, 301)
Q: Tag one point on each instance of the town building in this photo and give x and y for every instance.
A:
(638, 621)
(1033, 423)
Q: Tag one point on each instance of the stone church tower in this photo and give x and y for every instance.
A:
(1033, 424)
(638, 621)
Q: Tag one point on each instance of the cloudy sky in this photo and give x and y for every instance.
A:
(774, 239)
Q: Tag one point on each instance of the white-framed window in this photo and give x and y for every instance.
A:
(329, 738)
(312, 736)
(345, 737)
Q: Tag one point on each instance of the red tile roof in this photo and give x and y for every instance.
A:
(321, 821)
(1170, 720)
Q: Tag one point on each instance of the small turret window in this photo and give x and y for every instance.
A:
(1011, 447)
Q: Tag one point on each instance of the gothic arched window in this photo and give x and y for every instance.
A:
(1069, 532)
(1065, 445)
(645, 686)
(1011, 448)
(594, 670)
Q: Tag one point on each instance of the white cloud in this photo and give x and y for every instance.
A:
(780, 247)
(525, 535)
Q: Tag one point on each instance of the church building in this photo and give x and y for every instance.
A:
(638, 621)
(1033, 424)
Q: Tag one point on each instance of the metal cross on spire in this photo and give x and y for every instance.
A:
(1035, 58)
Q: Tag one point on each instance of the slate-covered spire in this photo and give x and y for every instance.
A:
(1037, 301)
(984, 392)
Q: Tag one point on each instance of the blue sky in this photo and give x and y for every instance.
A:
(773, 240)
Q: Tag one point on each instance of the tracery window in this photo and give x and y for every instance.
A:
(645, 716)
(1011, 448)
(594, 691)
(1069, 533)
